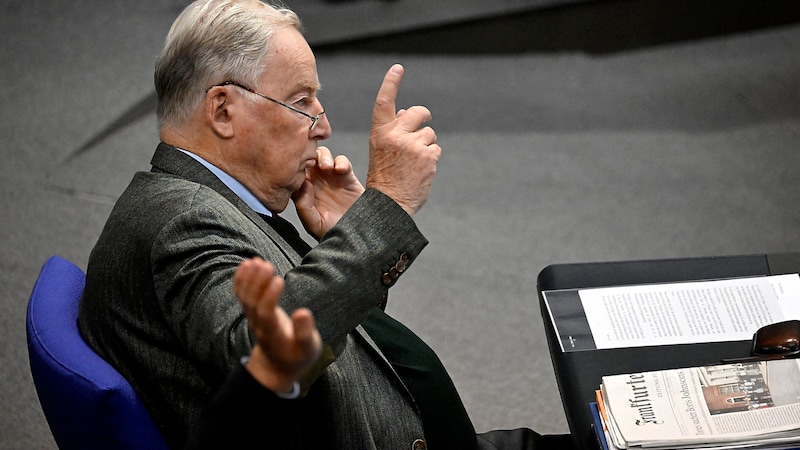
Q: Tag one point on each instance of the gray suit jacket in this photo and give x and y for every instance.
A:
(159, 305)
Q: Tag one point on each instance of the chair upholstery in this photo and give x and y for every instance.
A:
(87, 403)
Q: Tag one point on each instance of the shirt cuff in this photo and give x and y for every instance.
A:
(291, 395)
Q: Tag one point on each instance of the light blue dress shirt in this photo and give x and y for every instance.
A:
(233, 184)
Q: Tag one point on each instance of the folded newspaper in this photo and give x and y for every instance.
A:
(738, 405)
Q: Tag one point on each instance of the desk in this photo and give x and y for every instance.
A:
(579, 373)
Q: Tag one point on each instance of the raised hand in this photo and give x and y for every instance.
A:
(402, 155)
(330, 189)
(287, 346)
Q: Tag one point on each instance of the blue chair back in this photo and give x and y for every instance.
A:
(87, 403)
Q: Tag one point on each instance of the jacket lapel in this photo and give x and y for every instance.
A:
(361, 333)
(168, 159)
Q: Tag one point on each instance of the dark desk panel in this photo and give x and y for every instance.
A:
(579, 373)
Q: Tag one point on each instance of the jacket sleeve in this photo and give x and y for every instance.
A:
(345, 274)
(339, 280)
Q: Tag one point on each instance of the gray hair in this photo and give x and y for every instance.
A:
(213, 41)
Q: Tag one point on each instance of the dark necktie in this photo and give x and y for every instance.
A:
(288, 232)
(444, 418)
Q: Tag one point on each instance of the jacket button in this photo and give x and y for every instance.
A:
(419, 444)
(401, 265)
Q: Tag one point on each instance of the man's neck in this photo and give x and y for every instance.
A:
(192, 140)
(234, 185)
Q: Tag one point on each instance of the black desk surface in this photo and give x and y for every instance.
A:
(579, 373)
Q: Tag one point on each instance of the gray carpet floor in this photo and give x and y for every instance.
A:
(679, 150)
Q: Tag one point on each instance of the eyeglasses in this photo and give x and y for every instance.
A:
(314, 119)
(778, 339)
(774, 341)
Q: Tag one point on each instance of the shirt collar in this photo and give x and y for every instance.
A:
(233, 184)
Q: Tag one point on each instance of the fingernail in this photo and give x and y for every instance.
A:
(397, 68)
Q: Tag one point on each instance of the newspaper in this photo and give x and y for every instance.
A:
(738, 405)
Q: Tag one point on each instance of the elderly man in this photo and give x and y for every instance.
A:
(240, 124)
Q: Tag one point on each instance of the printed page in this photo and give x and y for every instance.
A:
(691, 312)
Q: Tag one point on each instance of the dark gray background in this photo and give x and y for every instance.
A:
(590, 149)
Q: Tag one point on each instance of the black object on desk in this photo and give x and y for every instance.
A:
(579, 373)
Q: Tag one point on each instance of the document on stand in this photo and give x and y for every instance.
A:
(671, 313)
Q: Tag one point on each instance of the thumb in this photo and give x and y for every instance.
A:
(304, 198)
(384, 110)
(306, 333)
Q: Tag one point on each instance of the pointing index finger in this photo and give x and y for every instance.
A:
(384, 110)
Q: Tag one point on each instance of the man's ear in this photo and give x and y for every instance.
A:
(217, 107)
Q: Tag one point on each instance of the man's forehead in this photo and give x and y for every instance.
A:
(292, 61)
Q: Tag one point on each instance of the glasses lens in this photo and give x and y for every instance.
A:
(782, 338)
